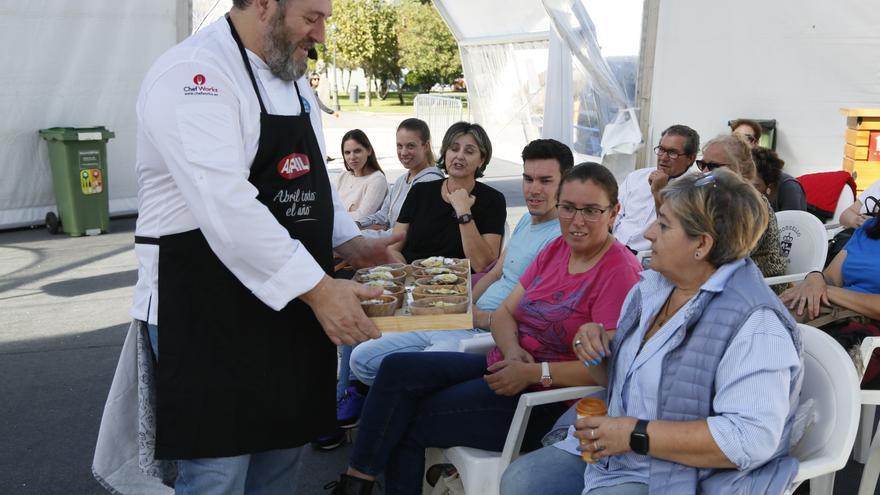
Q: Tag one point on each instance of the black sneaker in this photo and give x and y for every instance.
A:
(329, 442)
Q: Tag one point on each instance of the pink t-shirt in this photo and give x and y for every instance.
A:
(556, 303)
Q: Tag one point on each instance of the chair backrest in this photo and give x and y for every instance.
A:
(830, 380)
(845, 200)
(803, 240)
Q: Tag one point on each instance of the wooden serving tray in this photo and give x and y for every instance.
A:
(403, 321)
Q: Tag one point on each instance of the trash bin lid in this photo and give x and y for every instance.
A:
(99, 133)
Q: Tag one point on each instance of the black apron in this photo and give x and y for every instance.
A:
(235, 376)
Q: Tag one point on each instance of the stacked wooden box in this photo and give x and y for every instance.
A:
(861, 152)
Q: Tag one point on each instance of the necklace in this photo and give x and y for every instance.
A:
(663, 317)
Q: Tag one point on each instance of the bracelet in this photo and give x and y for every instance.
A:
(815, 271)
(489, 324)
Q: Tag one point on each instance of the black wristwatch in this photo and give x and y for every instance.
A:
(638, 439)
(463, 219)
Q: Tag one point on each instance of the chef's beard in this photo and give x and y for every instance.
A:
(279, 50)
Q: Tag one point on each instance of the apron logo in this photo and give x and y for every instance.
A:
(294, 165)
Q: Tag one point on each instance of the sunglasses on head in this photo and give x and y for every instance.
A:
(709, 166)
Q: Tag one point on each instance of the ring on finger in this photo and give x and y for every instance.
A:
(596, 446)
(592, 433)
(577, 342)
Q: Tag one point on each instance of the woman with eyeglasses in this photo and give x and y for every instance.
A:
(443, 399)
(731, 152)
(747, 129)
(703, 373)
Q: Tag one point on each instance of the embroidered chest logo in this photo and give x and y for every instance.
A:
(294, 165)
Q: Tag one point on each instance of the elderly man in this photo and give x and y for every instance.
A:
(235, 239)
(639, 192)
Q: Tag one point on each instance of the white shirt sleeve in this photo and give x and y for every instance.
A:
(758, 363)
(200, 139)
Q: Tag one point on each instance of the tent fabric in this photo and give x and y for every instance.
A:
(794, 61)
(73, 64)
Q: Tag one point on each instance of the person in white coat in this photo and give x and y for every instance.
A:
(235, 237)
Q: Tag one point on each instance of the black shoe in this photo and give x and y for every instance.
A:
(350, 485)
(329, 442)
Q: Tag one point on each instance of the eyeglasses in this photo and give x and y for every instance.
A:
(672, 154)
(709, 166)
(590, 213)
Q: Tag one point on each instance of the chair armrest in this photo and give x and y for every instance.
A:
(812, 468)
(524, 410)
(478, 344)
(867, 348)
(784, 279)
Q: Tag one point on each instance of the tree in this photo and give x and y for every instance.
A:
(366, 37)
(427, 48)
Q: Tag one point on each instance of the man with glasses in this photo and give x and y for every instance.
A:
(639, 192)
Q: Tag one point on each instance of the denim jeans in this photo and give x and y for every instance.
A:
(265, 473)
(436, 399)
(345, 374)
(367, 356)
(547, 470)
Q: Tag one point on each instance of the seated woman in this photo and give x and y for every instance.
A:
(860, 211)
(443, 399)
(457, 217)
(414, 152)
(782, 190)
(700, 337)
(362, 187)
(733, 153)
(851, 280)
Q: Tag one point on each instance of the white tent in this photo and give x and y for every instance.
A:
(75, 64)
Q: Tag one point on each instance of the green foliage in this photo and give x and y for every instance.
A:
(365, 37)
(427, 48)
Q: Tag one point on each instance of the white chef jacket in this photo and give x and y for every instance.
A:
(637, 209)
(198, 132)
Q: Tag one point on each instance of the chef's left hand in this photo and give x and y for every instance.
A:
(604, 435)
(361, 251)
(510, 377)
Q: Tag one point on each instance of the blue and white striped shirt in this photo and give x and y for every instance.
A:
(751, 401)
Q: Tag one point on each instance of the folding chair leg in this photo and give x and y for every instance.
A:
(822, 485)
(872, 469)
(865, 434)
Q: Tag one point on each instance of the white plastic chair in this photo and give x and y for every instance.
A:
(846, 198)
(804, 244)
(867, 451)
(481, 470)
(830, 379)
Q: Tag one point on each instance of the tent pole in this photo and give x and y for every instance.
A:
(650, 15)
(184, 19)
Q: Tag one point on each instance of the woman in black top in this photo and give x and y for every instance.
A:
(457, 217)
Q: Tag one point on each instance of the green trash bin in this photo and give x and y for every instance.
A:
(78, 157)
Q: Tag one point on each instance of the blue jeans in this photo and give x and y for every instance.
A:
(265, 473)
(345, 374)
(547, 470)
(436, 399)
(367, 356)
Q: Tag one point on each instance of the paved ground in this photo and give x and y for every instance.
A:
(63, 316)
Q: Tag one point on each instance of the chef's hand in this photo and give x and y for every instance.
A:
(361, 252)
(337, 305)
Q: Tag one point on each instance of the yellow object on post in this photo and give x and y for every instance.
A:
(861, 150)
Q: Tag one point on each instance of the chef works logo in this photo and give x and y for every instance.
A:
(294, 165)
(200, 87)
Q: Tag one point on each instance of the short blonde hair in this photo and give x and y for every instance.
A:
(738, 153)
(724, 206)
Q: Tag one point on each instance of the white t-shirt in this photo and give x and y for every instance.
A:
(872, 190)
(198, 132)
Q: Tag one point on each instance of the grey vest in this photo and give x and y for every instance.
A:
(687, 385)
